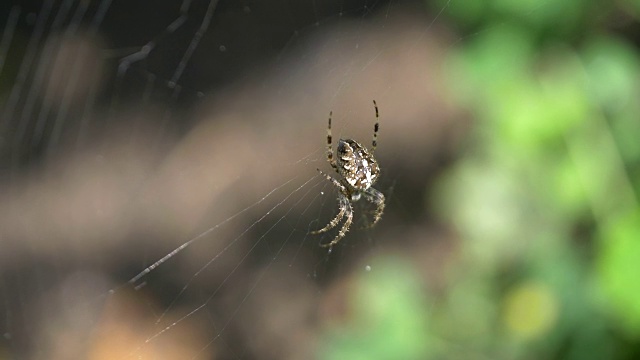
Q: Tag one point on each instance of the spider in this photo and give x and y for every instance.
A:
(358, 171)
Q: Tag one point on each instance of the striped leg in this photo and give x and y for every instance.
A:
(333, 223)
(345, 227)
(375, 129)
(377, 198)
(332, 161)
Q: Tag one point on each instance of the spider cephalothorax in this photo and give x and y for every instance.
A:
(358, 171)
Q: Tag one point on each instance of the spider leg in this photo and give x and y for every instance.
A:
(345, 227)
(333, 223)
(341, 199)
(332, 161)
(335, 182)
(375, 129)
(376, 197)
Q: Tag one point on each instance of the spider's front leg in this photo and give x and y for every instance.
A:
(333, 223)
(345, 227)
(335, 182)
(377, 198)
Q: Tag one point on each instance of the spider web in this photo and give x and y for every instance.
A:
(159, 168)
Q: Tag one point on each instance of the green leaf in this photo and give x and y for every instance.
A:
(619, 271)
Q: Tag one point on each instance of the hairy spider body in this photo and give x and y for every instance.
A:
(356, 166)
(358, 171)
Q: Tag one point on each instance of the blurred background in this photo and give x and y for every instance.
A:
(509, 147)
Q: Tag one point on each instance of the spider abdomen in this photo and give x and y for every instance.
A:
(356, 165)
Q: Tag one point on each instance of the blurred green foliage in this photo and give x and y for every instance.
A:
(544, 196)
(387, 317)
